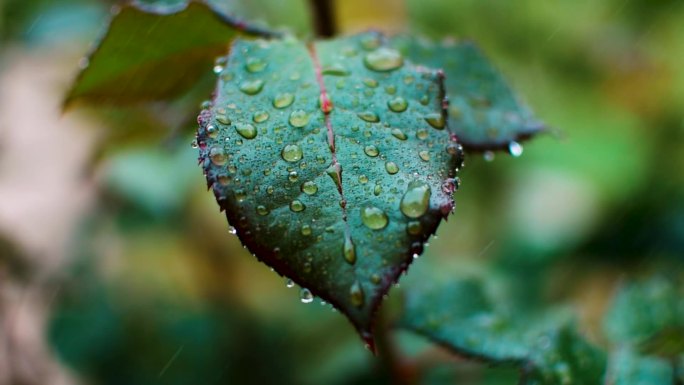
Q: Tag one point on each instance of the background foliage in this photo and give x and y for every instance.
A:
(117, 267)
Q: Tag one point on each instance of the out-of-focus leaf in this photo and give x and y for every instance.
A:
(155, 52)
(649, 316)
(155, 180)
(333, 162)
(460, 316)
(629, 368)
(484, 112)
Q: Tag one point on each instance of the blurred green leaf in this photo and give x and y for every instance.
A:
(333, 167)
(461, 316)
(155, 180)
(649, 316)
(484, 112)
(629, 368)
(155, 52)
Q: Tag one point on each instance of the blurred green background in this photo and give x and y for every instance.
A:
(117, 268)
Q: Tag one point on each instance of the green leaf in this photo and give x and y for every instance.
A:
(627, 367)
(340, 202)
(484, 112)
(155, 52)
(462, 317)
(649, 316)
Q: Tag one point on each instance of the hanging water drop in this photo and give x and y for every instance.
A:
(305, 295)
(515, 149)
(289, 283)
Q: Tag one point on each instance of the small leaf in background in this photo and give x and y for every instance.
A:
(155, 52)
(333, 161)
(627, 367)
(648, 316)
(462, 317)
(484, 112)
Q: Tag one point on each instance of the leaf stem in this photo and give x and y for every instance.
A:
(323, 17)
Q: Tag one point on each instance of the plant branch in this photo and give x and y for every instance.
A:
(323, 17)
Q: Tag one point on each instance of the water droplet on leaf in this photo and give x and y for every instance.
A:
(374, 218)
(398, 104)
(416, 200)
(283, 100)
(246, 130)
(383, 59)
(299, 118)
(292, 153)
(305, 295)
(252, 87)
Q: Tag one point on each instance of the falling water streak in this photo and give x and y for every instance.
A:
(168, 364)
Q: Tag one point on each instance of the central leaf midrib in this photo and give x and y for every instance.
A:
(324, 96)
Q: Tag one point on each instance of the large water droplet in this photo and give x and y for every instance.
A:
(515, 149)
(283, 100)
(383, 59)
(252, 87)
(297, 206)
(255, 64)
(349, 250)
(309, 188)
(416, 200)
(356, 296)
(246, 130)
(299, 118)
(305, 295)
(391, 168)
(398, 104)
(260, 116)
(424, 155)
(374, 218)
(218, 156)
(291, 153)
(435, 120)
(371, 151)
(369, 116)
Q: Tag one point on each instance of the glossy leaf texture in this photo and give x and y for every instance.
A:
(155, 52)
(461, 316)
(333, 161)
(484, 112)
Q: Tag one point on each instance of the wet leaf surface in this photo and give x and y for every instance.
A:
(333, 161)
(483, 110)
